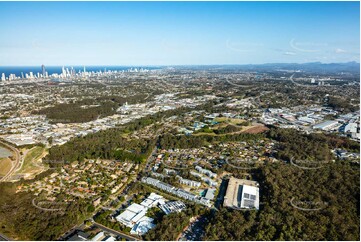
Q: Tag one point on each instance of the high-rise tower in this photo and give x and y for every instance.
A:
(63, 71)
(43, 70)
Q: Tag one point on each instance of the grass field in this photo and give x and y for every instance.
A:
(235, 121)
(32, 162)
(5, 166)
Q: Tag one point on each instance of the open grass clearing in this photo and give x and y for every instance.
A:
(5, 166)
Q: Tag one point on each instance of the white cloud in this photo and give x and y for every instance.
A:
(295, 45)
(338, 51)
(289, 53)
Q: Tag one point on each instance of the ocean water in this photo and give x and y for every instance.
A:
(57, 69)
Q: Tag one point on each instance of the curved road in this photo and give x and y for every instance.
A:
(17, 160)
(297, 84)
(237, 85)
(301, 85)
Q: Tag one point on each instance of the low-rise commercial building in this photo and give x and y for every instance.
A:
(327, 125)
(171, 207)
(132, 215)
(143, 226)
(153, 200)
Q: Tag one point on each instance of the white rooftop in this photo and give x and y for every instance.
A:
(143, 226)
(126, 216)
(98, 237)
(110, 238)
(325, 124)
(147, 203)
(136, 208)
(250, 197)
(155, 196)
(153, 200)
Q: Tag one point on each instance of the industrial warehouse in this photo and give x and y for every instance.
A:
(242, 194)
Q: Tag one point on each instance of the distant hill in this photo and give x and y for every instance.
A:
(318, 67)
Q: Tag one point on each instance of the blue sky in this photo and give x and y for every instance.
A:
(178, 33)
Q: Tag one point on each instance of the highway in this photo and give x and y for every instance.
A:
(297, 84)
(237, 85)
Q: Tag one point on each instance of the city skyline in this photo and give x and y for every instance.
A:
(178, 33)
(180, 120)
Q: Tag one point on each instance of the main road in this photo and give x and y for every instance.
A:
(298, 84)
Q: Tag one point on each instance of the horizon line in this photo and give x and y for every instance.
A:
(167, 65)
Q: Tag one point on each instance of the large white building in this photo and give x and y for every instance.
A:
(242, 194)
(249, 197)
(351, 127)
(153, 200)
(132, 215)
(143, 226)
(307, 120)
(327, 125)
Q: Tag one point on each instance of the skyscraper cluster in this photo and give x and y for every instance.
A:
(66, 73)
(29, 75)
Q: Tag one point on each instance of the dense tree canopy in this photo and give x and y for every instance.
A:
(332, 191)
(87, 109)
(20, 220)
(173, 224)
(313, 146)
(169, 141)
(341, 104)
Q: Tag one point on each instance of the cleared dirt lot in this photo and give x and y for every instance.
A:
(256, 129)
